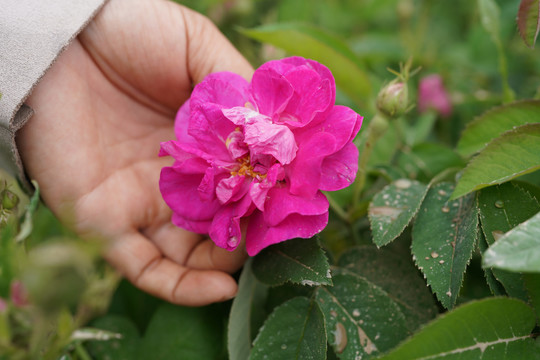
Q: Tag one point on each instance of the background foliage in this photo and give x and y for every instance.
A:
(433, 253)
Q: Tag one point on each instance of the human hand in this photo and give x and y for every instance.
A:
(100, 114)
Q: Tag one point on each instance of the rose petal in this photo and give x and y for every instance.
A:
(270, 91)
(224, 88)
(304, 173)
(207, 186)
(181, 124)
(281, 203)
(259, 235)
(232, 188)
(342, 122)
(180, 192)
(259, 190)
(211, 129)
(262, 136)
(311, 95)
(181, 152)
(236, 145)
(225, 230)
(196, 226)
(339, 169)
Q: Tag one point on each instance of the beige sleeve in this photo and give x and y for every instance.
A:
(32, 35)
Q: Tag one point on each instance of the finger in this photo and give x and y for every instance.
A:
(174, 242)
(155, 50)
(208, 256)
(190, 249)
(144, 265)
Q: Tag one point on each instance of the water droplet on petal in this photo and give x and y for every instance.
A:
(499, 204)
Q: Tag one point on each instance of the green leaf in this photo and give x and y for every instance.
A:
(532, 282)
(311, 42)
(528, 21)
(134, 304)
(246, 308)
(393, 208)
(495, 122)
(443, 239)
(515, 153)
(408, 290)
(124, 348)
(489, 15)
(361, 318)
(518, 249)
(424, 161)
(419, 131)
(494, 285)
(495, 328)
(183, 333)
(502, 207)
(26, 226)
(295, 330)
(299, 261)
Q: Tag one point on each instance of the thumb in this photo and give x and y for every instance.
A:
(208, 50)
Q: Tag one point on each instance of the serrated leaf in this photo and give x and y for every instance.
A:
(408, 290)
(299, 261)
(443, 239)
(502, 207)
(518, 249)
(183, 333)
(311, 42)
(393, 208)
(249, 301)
(515, 153)
(494, 285)
(123, 348)
(528, 21)
(495, 122)
(361, 319)
(294, 330)
(495, 328)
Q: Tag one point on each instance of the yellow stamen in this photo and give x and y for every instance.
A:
(247, 169)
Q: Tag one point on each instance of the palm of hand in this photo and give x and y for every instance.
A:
(100, 114)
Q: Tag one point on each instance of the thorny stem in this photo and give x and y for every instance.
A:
(377, 127)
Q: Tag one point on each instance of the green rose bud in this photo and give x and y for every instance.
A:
(9, 199)
(393, 99)
(56, 275)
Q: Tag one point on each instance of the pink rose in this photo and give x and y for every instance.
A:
(432, 95)
(19, 297)
(261, 151)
